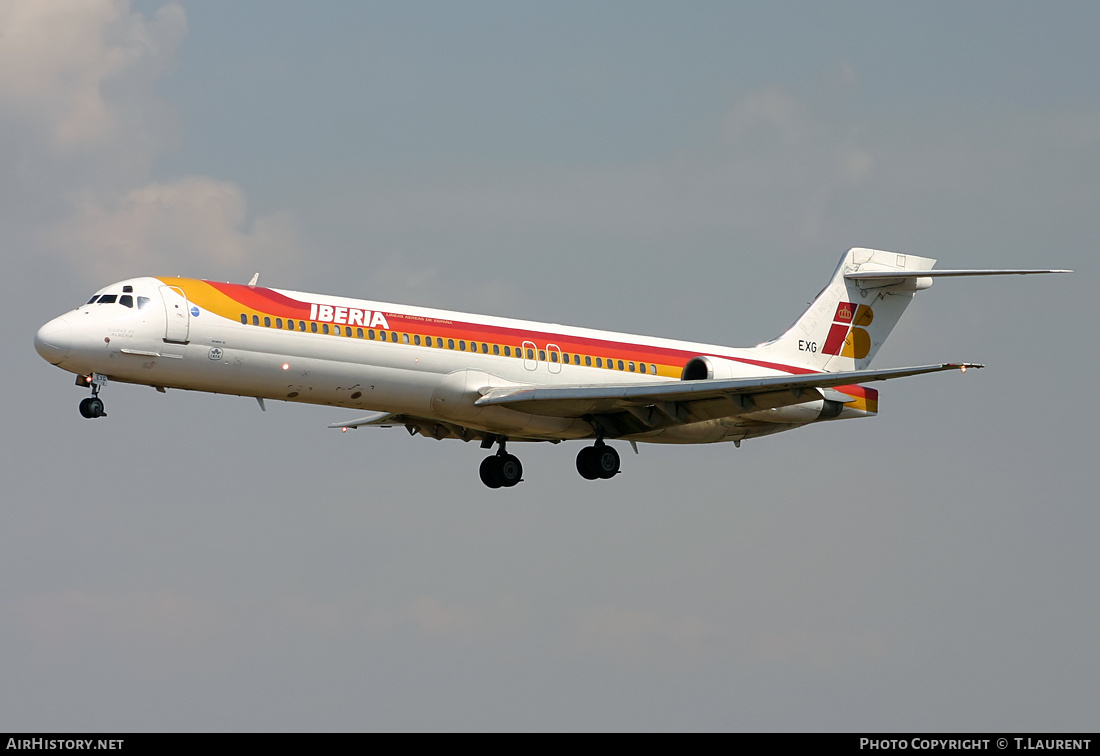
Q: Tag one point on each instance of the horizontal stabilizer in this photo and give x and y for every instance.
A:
(905, 274)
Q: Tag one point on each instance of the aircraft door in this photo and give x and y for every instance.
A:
(530, 355)
(553, 353)
(178, 319)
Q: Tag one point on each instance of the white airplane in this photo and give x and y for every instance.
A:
(474, 377)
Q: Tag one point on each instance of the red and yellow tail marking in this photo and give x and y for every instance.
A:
(846, 336)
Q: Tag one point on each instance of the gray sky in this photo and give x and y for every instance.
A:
(684, 170)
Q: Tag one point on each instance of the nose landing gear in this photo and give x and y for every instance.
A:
(92, 407)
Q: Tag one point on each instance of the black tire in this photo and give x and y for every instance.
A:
(84, 410)
(510, 471)
(606, 461)
(585, 463)
(95, 407)
(490, 472)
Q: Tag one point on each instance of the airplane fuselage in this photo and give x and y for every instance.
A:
(410, 361)
(443, 374)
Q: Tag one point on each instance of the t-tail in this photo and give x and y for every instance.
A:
(852, 316)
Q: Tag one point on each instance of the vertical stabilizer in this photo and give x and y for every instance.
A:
(848, 322)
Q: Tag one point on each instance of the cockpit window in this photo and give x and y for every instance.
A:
(94, 298)
(126, 300)
(108, 299)
(142, 302)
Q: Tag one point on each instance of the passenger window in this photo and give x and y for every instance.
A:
(278, 322)
(302, 325)
(358, 333)
(630, 365)
(599, 362)
(267, 322)
(530, 354)
(484, 348)
(553, 356)
(416, 339)
(507, 351)
(312, 326)
(427, 341)
(405, 338)
(496, 349)
(576, 359)
(450, 343)
(370, 334)
(324, 328)
(620, 364)
(588, 360)
(336, 330)
(653, 369)
(462, 345)
(244, 319)
(255, 320)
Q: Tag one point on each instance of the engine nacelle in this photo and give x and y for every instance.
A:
(705, 368)
(806, 412)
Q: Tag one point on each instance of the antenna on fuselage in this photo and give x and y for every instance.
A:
(255, 278)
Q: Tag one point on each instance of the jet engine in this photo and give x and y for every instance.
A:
(707, 368)
(823, 404)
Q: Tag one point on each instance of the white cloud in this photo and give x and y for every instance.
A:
(77, 88)
(56, 57)
(769, 111)
(159, 228)
(775, 165)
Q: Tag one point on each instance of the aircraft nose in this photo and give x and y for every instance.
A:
(54, 340)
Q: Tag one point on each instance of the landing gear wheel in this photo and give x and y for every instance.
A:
(501, 470)
(585, 465)
(490, 472)
(92, 407)
(606, 461)
(598, 461)
(509, 470)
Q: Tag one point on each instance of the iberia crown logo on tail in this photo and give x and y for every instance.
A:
(846, 336)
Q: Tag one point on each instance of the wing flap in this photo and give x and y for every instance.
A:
(376, 419)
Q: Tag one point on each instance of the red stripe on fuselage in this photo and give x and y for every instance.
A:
(280, 305)
(264, 300)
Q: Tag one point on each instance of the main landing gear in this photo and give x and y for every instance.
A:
(502, 469)
(92, 406)
(598, 461)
